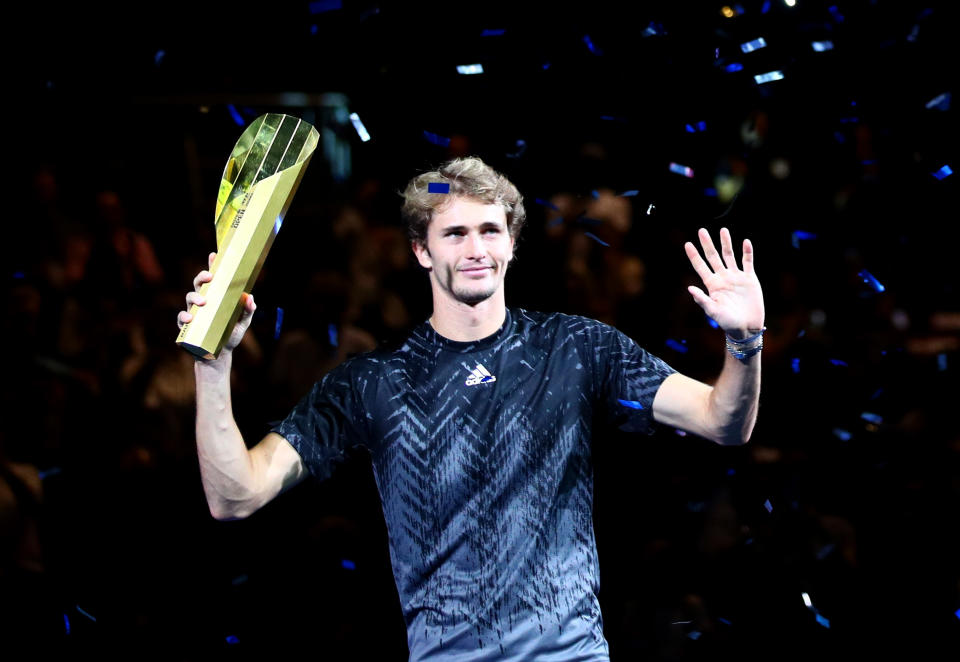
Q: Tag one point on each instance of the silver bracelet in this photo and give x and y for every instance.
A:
(743, 349)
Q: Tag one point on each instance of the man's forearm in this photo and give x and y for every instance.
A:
(225, 463)
(733, 403)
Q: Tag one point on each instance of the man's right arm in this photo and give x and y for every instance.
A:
(236, 481)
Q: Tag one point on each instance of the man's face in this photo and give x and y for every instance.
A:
(468, 250)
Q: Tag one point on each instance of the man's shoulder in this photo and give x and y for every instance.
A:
(549, 323)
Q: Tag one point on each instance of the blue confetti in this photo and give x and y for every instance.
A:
(943, 172)
(841, 434)
(686, 171)
(492, 33)
(876, 394)
(835, 12)
(823, 621)
(677, 346)
(332, 334)
(85, 613)
(321, 6)
(595, 194)
(799, 235)
(680, 433)
(802, 333)
(629, 194)
(314, 28)
(19, 275)
(555, 222)
(733, 67)
(158, 57)
(436, 139)
(546, 203)
(754, 45)
(653, 28)
(764, 10)
(957, 613)
(768, 77)
(235, 114)
(870, 280)
(710, 192)
(232, 640)
(821, 46)
(768, 506)
(633, 404)
(546, 65)
(469, 69)
(52, 471)
(358, 125)
(941, 362)
(586, 220)
(348, 564)
(731, 472)
(438, 187)
(66, 623)
(596, 239)
(940, 102)
(873, 418)
(723, 620)
(276, 329)
(520, 148)
(839, 362)
(795, 365)
(693, 635)
(693, 128)
(712, 322)
(839, 137)
(590, 45)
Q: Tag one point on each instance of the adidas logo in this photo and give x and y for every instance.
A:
(480, 375)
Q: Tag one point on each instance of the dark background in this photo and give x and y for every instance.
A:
(119, 124)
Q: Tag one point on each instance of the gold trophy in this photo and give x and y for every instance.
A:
(258, 183)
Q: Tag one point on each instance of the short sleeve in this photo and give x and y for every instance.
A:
(629, 378)
(327, 421)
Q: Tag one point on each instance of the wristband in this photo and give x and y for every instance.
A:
(742, 349)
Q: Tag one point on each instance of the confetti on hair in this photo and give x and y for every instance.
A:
(943, 172)
(633, 404)
(438, 140)
(686, 171)
(940, 102)
(768, 77)
(768, 506)
(871, 281)
(597, 239)
(753, 45)
(677, 346)
(438, 187)
(872, 418)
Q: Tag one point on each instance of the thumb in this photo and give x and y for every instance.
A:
(702, 299)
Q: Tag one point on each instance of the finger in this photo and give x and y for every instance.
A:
(248, 302)
(709, 250)
(747, 256)
(702, 299)
(210, 259)
(697, 262)
(201, 278)
(726, 247)
(183, 317)
(195, 298)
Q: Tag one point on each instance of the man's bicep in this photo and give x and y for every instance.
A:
(682, 402)
(277, 466)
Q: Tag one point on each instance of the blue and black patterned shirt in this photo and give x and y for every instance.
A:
(481, 452)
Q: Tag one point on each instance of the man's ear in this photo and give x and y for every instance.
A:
(423, 254)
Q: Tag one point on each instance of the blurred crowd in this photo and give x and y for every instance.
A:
(834, 529)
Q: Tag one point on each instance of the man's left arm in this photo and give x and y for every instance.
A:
(726, 412)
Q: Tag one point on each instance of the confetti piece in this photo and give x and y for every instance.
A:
(232, 640)
(724, 621)
(693, 635)
(545, 203)
(940, 102)
(693, 128)
(438, 187)
(686, 171)
(235, 114)
(358, 125)
(469, 69)
(276, 330)
(321, 6)
(436, 139)
(802, 333)
(586, 220)
(710, 192)
(824, 551)
(754, 45)
(825, 622)
(871, 281)
(590, 45)
(595, 194)
(332, 334)
(66, 623)
(839, 362)
(876, 394)
(680, 433)
(941, 362)
(806, 600)
(821, 46)
(597, 239)
(650, 209)
(52, 471)
(835, 12)
(629, 194)
(348, 564)
(519, 148)
(85, 613)
(731, 472)
(957, 613)
(712, 322)
(158, 57)
(19, 275)
(677, 346)
(799, 235)
(733, 67)
(555, 222)
(653, 29)
(768, 506)
(493, 33)
(872, 418)
(795, 365)
(768, 77)
(842, 435)
(943, 172)
(633, 404)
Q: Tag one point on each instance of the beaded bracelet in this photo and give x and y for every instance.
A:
(742, 349)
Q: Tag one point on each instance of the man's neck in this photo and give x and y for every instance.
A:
(458, 321)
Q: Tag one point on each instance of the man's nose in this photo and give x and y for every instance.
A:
(475, 247)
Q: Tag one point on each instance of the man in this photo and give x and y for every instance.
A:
(479, 429)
